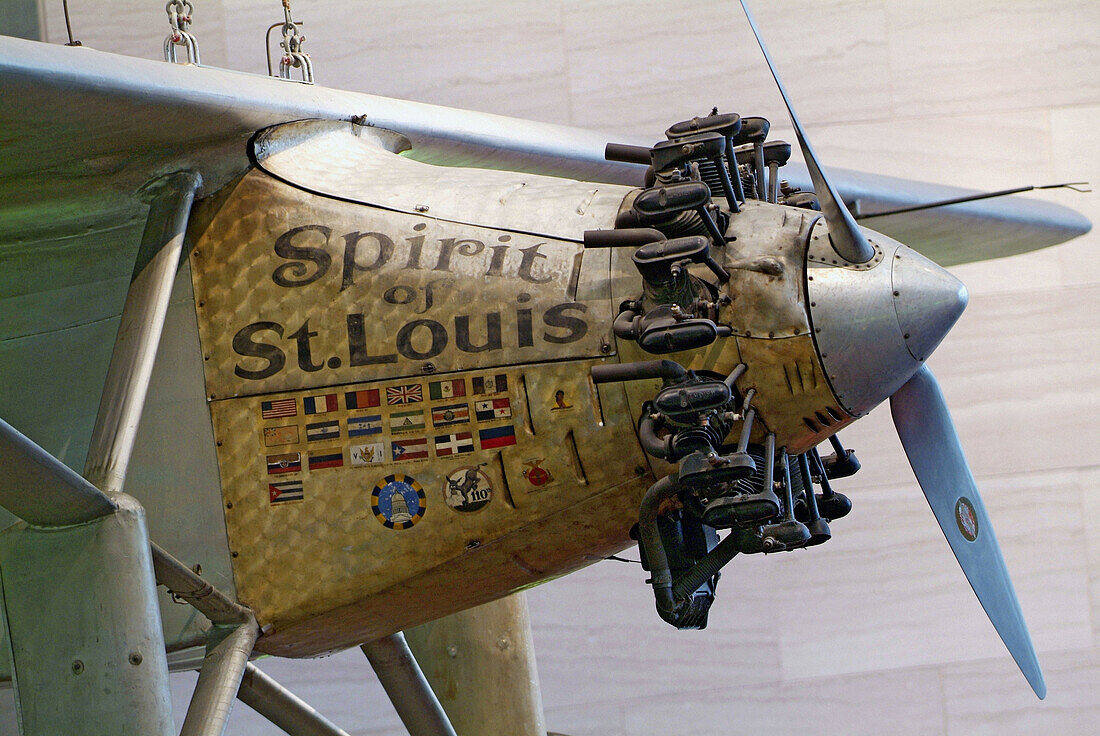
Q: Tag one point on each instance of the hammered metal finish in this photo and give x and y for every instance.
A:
(364, 499)
(295, 290)
(547, 458)
(360, 164)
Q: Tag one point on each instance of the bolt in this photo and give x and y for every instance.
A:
(135, 658)
(78, 666)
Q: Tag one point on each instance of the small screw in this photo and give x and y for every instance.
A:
(135, 658)
(78, 666)
(428, 368)
(421, 208)
(452, 650)
(604, 346)
(229, 504)
(235, 554)
(502, 643)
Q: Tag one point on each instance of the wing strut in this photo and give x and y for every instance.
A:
(282, 707)
(404, 683)
(139, 330)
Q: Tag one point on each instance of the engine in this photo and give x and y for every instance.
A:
(736, 262)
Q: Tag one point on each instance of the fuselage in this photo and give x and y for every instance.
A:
(396, 368)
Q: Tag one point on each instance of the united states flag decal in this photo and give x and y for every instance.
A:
(279, 408)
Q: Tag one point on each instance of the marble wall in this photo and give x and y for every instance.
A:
(877, 631)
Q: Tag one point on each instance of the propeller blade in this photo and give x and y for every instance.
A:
(932, 445)
(847, 239)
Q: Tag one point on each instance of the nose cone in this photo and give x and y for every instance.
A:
(875, 326)
(928, 301)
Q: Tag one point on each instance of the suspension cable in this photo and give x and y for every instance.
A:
(179, 18)
(68, 25)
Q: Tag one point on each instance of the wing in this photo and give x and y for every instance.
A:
(92, 127)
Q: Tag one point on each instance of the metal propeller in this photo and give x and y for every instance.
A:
(930, 441)
(847, 239)
(932, 445)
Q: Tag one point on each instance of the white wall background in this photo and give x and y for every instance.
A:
(877, 632)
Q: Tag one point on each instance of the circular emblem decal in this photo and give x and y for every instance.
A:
(966, 518)
(398, 501)
(467, 489)
(535, 474)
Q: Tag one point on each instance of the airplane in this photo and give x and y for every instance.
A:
(566, 294)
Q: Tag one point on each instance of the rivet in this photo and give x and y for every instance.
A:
(502, 643)
(236, 554)
(428, 368)
(135, 658)
(452, 650)
(78, 666)
(906, 335)
(897, 293)
(229, 504)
